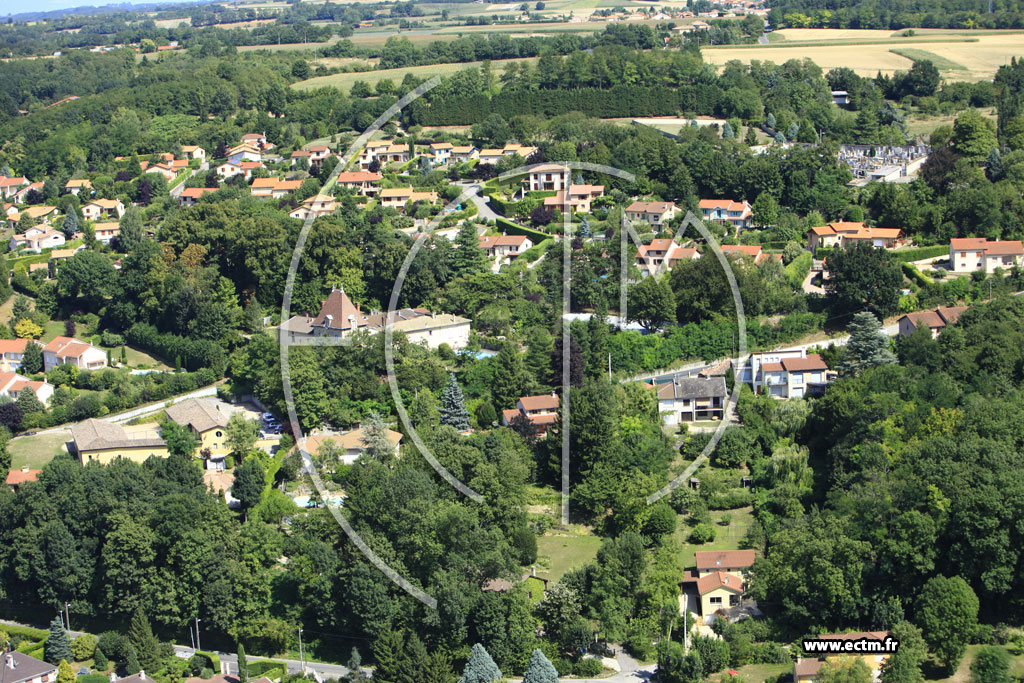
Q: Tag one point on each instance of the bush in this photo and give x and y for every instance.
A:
(111, 339)
(83, 647)
(730, 500)
(588, 667)
(702, 533)
(194, 353)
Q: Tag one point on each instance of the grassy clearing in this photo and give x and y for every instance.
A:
(37, 450)
(54, 328)
(563, 552)
(289, 46)
(924, 125)
(919, 55)
(345, 81)
(963, 672)
(726, 537)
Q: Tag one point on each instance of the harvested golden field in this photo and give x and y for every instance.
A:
(980, 55)
(794, 34)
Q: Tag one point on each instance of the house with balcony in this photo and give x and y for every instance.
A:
(462, 153)
(578, 199)
(315, 206)
(968, 254)
(655, 214)
(317, 154)
(546, 177)
(662, 254)
(244, 152)
(371, 152)
(841, 233)
(737, 214)
(37, 238)
(102, 208)
(541, 411)
(789, 374)
(71, 351)
(442, 152)
(363, 182)
(399, 197)
(394, 154)
(504, 247)
(689, 399)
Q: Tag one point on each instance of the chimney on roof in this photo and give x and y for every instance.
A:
(142, 675)
(113, 677)
(10, 661)
(533, 570)
(24, 468)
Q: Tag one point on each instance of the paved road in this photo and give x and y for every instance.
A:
(484, 209)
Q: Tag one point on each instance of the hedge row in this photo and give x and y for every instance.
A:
(212, 658)
(511, 228)
(271, 670)
(918, 253)
(798, 268)
(192, 353)
(915, 275)
(37, 634)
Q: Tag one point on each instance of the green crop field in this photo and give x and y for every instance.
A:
(919, 55)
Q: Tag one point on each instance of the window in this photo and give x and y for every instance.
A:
(715, 601)
(219, 434)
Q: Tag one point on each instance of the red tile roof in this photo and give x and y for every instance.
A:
(724, 559)
(542, 402)
(812, 361)
(716, 580)
(18, 477)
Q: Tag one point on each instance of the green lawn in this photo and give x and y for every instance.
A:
(564, 552)
(758, 673)
(136, 358)
(54, 328)
(726, 538)
(36, 450)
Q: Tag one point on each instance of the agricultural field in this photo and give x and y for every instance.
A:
(289, 46)
(345, 81)
(977, 57)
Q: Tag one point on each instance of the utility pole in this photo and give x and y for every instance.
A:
(198, 646)
(67, 610)
(302, 658)
(609, 366)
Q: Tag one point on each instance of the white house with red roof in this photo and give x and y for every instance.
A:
(37, 238)
(504, 247)
(968, 254)
(190, 195)
(719, 579)
(655, 214)
(10, 186)
(229, 169)
(650, 258)
(194, 152)
(12, 384)
(71, 351)
(541, 411)
(736, 214)
(363, 182)
(788, 374)
(578, 199)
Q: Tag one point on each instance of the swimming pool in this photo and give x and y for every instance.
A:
(332, 501)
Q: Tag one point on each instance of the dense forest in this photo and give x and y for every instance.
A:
(870, 14)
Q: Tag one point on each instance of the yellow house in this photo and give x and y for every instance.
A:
(806, 670)
(103, 442)
(206, 422)
(719, 591)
